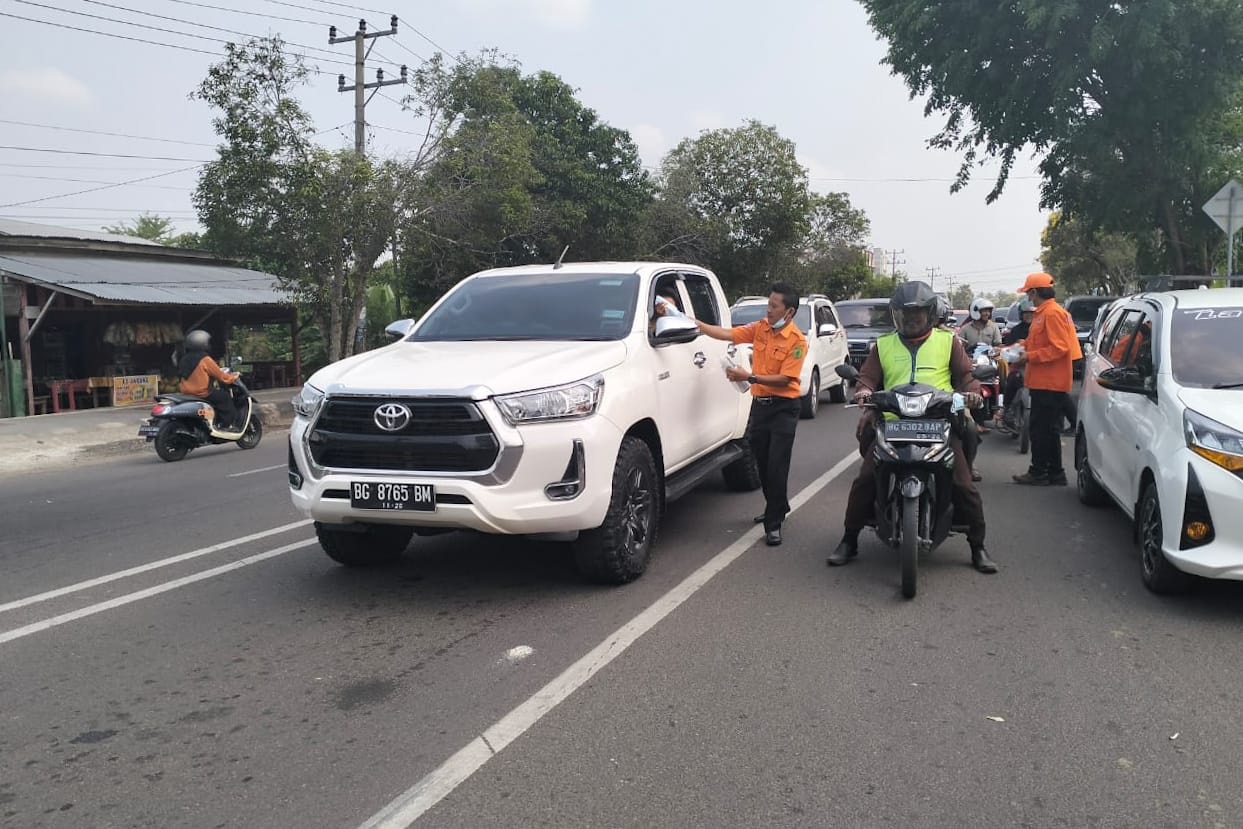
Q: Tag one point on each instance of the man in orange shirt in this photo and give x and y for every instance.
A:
(198, 370)
(1052, 346)
(776, 363)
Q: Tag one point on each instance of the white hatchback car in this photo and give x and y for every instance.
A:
(826, 345)
(1160, 430)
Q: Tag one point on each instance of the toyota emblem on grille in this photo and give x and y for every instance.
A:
(392, 417)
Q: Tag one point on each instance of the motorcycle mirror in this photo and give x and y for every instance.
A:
(847, 372)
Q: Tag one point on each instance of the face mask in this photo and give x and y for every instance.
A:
(779, 324)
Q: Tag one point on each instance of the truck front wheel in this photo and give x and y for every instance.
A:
(377, 544)
(618, 550)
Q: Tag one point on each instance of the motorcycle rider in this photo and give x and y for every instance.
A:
(198, 370)
(980, 328)
(939, 359)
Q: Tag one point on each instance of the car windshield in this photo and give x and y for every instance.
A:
(751, 312)
(865, 316)
(541, 306)
(1207, 347)
(1083, 311)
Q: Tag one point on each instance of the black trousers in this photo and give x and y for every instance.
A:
(1048, 409)
(771, 433)
(221, 400)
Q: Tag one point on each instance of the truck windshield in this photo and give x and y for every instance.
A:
(545, 306)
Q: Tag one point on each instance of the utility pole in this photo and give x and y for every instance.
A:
(893, 263)
(360, 86)
(932, 276)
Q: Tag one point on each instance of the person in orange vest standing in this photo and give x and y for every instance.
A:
(1052, 346)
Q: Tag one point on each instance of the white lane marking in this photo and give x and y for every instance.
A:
(515, 655)
(154, 565)
(91, 610)
(423, 795)
(256, 471)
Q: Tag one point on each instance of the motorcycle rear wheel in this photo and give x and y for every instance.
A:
(908, 547)
(168, 445)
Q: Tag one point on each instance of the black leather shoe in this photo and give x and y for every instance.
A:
(842, 554)
(759, 519)
(1058, 480)
(981, 561)
(773, 538)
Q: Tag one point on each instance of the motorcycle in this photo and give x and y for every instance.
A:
(181, 423)
(1016, 416)
(990, 391)
(915, 468)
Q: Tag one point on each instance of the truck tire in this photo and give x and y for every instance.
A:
(378, 544)
(743, 475)
(618, 550)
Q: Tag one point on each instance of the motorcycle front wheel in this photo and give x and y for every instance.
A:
(254, 432)
(908, 547)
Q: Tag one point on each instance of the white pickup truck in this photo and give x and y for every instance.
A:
(539, 400)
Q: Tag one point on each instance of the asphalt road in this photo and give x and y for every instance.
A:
(255, 683)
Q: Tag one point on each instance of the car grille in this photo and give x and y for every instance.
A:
(858, 352)
(441, 436)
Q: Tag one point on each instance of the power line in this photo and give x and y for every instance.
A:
(110, 34)
(252, 14)
(347, 7)
(92, 181)
(104, 155)
(920, 180)
(95, 189)
(101, 132)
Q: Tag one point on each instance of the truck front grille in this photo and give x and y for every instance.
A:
(439, 436)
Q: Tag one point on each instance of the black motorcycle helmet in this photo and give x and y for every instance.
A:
(914, 309)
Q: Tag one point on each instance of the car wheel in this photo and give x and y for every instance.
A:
(811, 400)
(837, 394)
(1159, 575)
(1091, 493)
(377, 544)
(618, 550)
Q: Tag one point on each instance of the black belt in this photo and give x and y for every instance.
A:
(769, 399)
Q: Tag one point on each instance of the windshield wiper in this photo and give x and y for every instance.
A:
(1228, 385)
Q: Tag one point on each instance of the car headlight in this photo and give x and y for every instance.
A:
(306, 402)
(568, 402)
(1214, 441)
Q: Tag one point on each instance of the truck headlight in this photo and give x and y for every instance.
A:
(568, 402)
(1214, 441)
(306, 402)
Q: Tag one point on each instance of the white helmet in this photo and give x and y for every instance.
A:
(979, 304)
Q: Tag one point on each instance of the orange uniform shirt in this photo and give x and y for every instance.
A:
(775, 352)
(199, 381)
(1052, 348)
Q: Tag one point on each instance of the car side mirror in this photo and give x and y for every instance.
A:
(827, 328)
(675, 330)
(1127, 380)
(846, 372)
(399, 329)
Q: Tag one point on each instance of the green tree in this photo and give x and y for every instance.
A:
(1130, 105)
(738, 196)
(961, 296)
(146, 226)
(1083, 261)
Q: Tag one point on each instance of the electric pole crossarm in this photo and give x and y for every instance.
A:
(360, 85)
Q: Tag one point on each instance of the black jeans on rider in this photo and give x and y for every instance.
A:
(861, 505)
(1048, 408)
(771, 434)
(221, 399)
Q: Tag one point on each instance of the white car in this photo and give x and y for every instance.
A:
(541, 400)
(1160, 430)
(826, 345)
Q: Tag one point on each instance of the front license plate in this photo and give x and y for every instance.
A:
(386, 496)
(915, 430)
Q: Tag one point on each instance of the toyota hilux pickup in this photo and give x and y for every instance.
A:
(547, 401)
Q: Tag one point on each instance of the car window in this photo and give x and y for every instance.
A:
(703, 298)
(540, 306)
(1105, 339)
(824, 316)
(802, 318)
(743, 314)
(866, 316)
(1206, 346)
(1121, 347)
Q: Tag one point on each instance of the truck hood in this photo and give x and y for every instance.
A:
(1223, 405)
(467, 369)
(866, 334)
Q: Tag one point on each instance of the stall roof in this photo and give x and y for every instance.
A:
(108, 279)
(12, 227)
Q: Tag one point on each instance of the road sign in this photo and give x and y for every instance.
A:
(1226, 209)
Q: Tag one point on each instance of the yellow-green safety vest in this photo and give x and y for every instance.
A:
(931, 365)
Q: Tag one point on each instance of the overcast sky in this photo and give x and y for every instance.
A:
(662, 70)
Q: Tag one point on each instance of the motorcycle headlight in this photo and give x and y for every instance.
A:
(306, 402)
(913, 405)
(569, 402)
(1214, 441)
